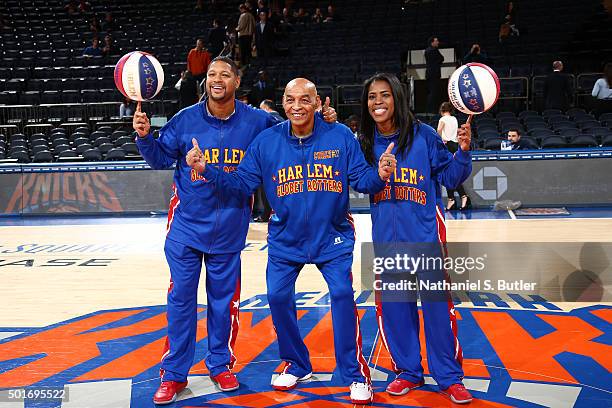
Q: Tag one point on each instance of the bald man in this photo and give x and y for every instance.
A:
(305, 166)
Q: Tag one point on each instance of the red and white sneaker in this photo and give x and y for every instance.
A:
(226, 381)
(361, 393)
(168, 391)
(458, 394)
(399, 386)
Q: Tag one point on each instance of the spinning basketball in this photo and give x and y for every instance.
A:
(473, 88)
(139, 76)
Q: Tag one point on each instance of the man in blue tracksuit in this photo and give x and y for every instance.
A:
(305, 166)
(203, 224)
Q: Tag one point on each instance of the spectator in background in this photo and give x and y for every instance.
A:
(302, 16)
(109, 24)
(557, 89)
(261, 7)
(447, 129)
(189, 91)
(261, 201)
(72, 7)
(475, 55)
(287, 18)
(94, 49)
(108, 45)
(602, 91)
(216, 38)
(262, 89)
(510, 11)
(250, 7)
(514, 141)
(353, 123)
(264, 38)
(199, 7)
(94, 25)
(331, 14)
(84, 6)
(198, 60)
(268, 106)
(245, 30)
(126, 109)
(433, 73)
(318, 17)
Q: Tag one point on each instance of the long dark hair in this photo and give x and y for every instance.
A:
(403, 119)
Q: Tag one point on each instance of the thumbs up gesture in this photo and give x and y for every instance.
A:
(387, 163)
(329, 113)
(195, 158)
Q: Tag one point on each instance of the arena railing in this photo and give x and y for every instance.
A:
(22, 118)
(523, 96)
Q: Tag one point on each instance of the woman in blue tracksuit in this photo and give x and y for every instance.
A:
(409, 210)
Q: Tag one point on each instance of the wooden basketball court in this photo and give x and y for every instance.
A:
(64, 281)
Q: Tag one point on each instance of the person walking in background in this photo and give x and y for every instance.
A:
(264, 38)
(602, 91)
(433, 73)
(447, 129)
(217, 38)
(557, 89)
(198, 60)
(245, 30)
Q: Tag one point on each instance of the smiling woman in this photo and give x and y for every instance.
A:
(410, 212)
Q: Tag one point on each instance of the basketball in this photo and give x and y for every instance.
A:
(473, 88)
(139, 76)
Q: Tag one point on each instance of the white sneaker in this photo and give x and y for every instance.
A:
(361, 393)
(286, 381)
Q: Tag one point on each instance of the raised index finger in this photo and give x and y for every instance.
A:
(327, 101)
(390, 148)
(139, 107)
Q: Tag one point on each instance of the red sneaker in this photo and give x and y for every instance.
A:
(458, 394)
(401, 387)
(168, 391)
(226, 381)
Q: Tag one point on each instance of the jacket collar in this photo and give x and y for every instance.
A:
(305, 140)
(210, 118)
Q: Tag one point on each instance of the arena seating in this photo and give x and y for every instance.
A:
(53, 101)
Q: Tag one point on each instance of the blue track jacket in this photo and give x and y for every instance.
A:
(209, 220)
(306, 182)
(409, 208)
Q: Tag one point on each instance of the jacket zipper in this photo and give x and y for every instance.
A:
(306, 200)
(219, 191)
